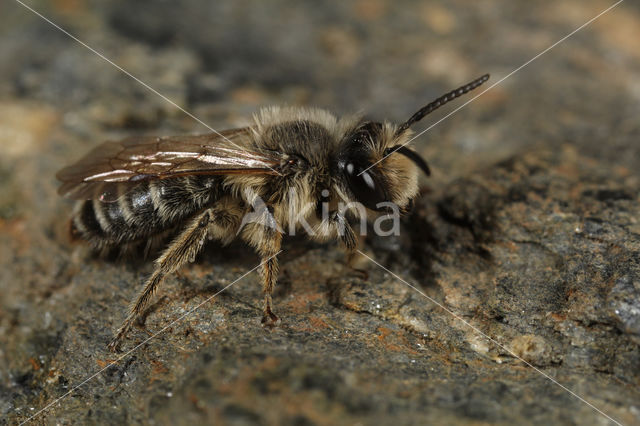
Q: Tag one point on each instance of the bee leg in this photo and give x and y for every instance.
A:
(182, 250)
(270, 275)
(267, 240)
(268, 248)
(349, 239)
(345, 232)
(265, 235)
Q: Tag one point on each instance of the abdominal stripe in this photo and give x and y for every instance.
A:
(147, 209)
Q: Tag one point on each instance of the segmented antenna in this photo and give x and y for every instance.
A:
(428, 109)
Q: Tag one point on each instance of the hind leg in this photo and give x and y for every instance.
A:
(181, 250)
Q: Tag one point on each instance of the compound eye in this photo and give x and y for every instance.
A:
(364, 185)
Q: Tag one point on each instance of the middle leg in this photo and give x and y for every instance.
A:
(266, 239)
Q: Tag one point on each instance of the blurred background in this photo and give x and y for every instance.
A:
(222, 61)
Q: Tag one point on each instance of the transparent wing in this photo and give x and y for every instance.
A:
(112, 168)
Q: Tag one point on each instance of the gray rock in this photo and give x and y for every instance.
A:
(527, 231)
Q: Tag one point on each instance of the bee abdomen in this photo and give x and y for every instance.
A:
(145, 210)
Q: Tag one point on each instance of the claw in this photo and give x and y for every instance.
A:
(114, 345)
(269, 319)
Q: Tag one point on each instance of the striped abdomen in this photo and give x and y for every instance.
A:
(147, 209)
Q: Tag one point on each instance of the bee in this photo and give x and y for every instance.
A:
(137, 190)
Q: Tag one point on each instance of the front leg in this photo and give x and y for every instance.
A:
(345, 232)
(349, 240)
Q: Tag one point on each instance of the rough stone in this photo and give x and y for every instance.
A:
(527, 232)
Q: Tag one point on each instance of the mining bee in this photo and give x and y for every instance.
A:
(141, 189)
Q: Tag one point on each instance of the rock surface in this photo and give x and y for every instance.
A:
(528, 231)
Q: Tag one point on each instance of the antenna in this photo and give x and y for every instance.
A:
(428, 109)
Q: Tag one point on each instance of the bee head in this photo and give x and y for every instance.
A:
(372, 170)
(376, 164)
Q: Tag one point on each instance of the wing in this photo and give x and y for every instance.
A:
(112, 168)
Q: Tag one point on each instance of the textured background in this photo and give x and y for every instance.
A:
(528, 228)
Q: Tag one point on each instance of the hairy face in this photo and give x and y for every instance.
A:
(372, 173)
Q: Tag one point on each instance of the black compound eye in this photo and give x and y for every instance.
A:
(364, 185)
